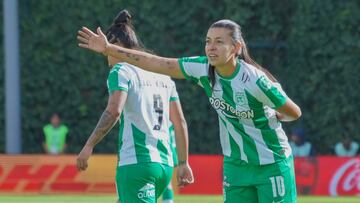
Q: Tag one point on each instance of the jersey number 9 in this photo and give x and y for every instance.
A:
(158, 107)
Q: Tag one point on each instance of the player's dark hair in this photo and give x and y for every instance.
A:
(122, 31)
(236, 35)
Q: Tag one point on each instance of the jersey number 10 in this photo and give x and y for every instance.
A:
(278, 186)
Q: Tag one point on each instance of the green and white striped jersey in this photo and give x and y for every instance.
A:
(173, 144)
(245, 103)
(144, 121)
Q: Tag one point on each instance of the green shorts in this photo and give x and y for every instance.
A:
(142, 182)
(272, 183)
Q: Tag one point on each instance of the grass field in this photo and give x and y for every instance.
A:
(178, 199)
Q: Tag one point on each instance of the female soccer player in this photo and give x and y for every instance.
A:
(258, 165)
(146, 102)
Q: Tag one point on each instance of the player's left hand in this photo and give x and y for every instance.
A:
(83, 157)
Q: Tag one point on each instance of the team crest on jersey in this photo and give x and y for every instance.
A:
(264, 83)
(240, 99)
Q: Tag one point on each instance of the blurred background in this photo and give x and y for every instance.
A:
(311, 46)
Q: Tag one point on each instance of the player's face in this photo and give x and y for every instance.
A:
(55, 120)
(219, 46)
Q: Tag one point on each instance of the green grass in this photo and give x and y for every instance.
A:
(178, 199)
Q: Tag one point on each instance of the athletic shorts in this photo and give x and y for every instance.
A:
(142, 182)
(272, 183)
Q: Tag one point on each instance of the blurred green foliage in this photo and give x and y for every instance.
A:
(310, 46)
(323, 52)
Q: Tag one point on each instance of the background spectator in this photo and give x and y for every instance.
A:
(55, 136)
(346, 147)
(300, 147)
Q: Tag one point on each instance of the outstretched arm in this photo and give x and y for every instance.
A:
(97, 42)
(106, 122)
(185, 175)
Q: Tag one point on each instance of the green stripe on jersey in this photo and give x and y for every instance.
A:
(271, 92)
(228, 94)
(113, 79)
(121, 135)
(174, 98)
(142, 153)
(173, 145)
(272, 141)
(204, 80)
(248, 143)
(260, 120)
(235, 149)
(163, 152)
(262, 123)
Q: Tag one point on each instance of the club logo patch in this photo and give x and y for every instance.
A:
(264, 83)
(240, 99)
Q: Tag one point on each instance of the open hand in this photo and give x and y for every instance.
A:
(94, 41)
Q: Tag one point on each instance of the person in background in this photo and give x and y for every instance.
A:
(55, 136)
(346, 147)
(300, 147)
(303, 170)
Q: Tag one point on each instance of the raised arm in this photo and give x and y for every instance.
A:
(185, 175)
(108, 119)
(97, 42)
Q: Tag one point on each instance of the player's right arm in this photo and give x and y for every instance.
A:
(97, 42)
(107, 120)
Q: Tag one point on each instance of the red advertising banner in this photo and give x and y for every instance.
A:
(324, 175)
(207, 170)
(328, 175)
(56, 174)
